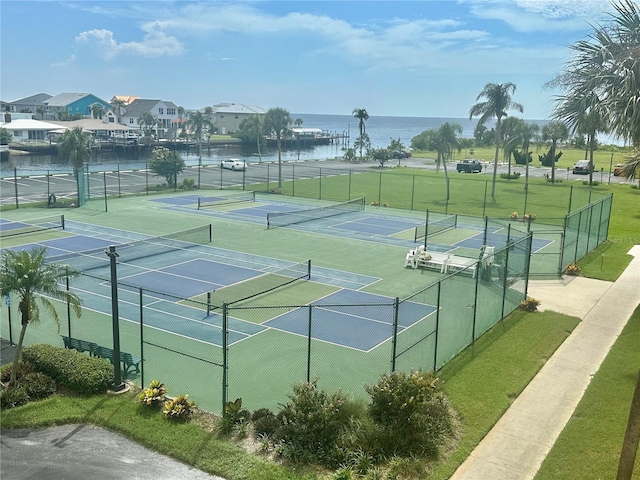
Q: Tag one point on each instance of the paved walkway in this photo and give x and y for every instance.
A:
(517, 445)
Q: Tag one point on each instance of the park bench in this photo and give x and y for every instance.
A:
(79, 345)
(128, 361)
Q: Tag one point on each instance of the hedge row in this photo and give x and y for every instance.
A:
(71, 369)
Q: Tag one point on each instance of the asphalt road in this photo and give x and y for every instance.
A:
(41, 187)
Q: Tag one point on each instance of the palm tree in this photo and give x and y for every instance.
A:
(74, 146)
(41, 110)
(510, 138)
(251, 128)
(97, 111)
(147, 122)
(200, 125)
(445, 141)
(118, 105)
(276, 122)
(554, 132)
(26, 274)
(498, 101)
(527, 133)
(362, 115)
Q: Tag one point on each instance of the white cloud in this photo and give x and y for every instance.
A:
(154, 44)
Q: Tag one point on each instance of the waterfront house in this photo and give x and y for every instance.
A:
(65, 105)
(33, 104)
(228, 116)
(30, 131)
(165, 112)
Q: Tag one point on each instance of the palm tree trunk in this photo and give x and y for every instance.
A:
(446, 178)
(631, 437)
(526, 169)
(495, 160)
(23, 329)
(591, 148)
(553, 161)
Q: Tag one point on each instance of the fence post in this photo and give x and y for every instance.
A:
(380, 189)
(68, 308)
(146, 176)
(413, 190)
(320, 185)
(505, 272)
(141, 340)
(435, 348)
(224, 355)
(309, 346)
(394, 340)
(15, 184)
(528, 265)
(293, 180)
(484, 203)
(119, 183)
(475, 299)
(349, 192)
(570, 198)
(104, 179)
(486, 229)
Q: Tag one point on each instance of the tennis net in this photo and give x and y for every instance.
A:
(435, 225)
(128, 251)
(226, 197)
(260, 285)
(282, 219)
(25, 227)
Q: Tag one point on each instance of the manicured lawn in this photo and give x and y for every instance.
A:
(589, 446)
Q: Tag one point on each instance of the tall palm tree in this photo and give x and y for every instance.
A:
(200, 125)
(26, 274)
(607, 65)
(74, 146)
(362, 115)
(147, 122)
(498, 101)
(510, 138)
(97, 111)
(277, 122)
(251, 128)
(554, 132)
(527, 133)
(118, 105)
(445, 141)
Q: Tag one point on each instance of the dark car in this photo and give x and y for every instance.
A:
(469, 166)
(583, 167)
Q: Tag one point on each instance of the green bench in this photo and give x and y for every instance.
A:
(128, 361)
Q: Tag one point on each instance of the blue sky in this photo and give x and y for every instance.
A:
(398, 58)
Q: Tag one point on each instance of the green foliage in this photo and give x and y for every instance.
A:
(5, 136)
(154, 395)
(265, 425)
(412, 411)
(74, 146)
(22, 369)
(529, 305)
(74, 370)
(37, 385)
(167, 164)
(520, 157)
(311, 424)
(349, 154)
(512, 176)
(545, 159)
(380, 155)
(234, 416)
(12, 397)
(187, 184)
(178, 408)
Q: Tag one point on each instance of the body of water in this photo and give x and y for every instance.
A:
(381, 131)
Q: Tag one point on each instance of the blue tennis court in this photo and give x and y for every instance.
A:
(344, 318)
(377, 225)
(499, 240)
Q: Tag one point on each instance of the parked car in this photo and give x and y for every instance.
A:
(618, 169)
(469, 166)
(582, 166)
(233, 164)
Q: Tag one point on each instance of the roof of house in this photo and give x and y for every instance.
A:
(66, 99)
(29, 124)
(238, 108)
(36, 99)
(142, 105)
(94, 125)
(127, 99)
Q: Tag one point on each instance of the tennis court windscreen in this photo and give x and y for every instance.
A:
(224, 197)
(282, 219)
(25, 227)
(129, 251)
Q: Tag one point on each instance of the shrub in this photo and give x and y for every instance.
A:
(572, 269)
(154, 395)
(233, 416)
(69, 368)
(23, 369)
(37, 385)
(311, 425)
(13, 397)
(178, 408)
(187, 184)
(530, 305)
(514, 216)
(412, 411)
(266, 425)
(512, 176)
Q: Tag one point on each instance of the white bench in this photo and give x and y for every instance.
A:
(444, 262)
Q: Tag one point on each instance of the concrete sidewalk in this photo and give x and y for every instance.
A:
(519, 442)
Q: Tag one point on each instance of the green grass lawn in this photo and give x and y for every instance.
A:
(589, 446)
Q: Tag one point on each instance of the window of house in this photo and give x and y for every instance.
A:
(221, 115)
(131, 120)
(171, 111)
(160, 111)
(236, 117)
(111, 120)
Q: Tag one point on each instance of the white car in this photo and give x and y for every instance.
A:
(233, 164)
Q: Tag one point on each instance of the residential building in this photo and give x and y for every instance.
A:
(64, 105)
(33, 104)
(30, 130)
(228, 116)
(166, 114)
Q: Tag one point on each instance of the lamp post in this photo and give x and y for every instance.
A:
(117, 375)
